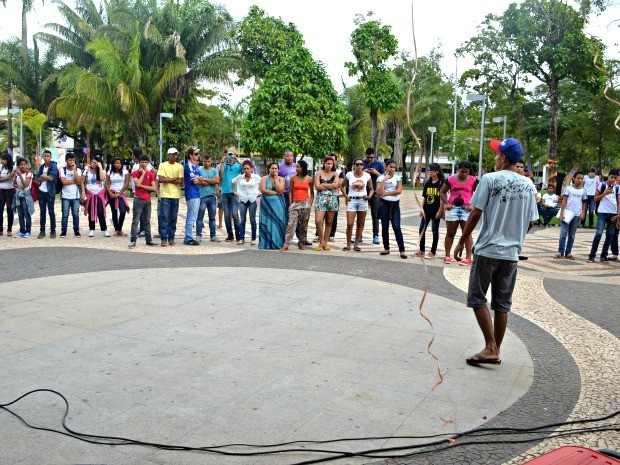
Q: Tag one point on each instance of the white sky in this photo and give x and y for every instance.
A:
(327, 25)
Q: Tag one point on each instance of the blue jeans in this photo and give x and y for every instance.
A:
(74, 205)
(567, 235)
(589, 210)
(192, 214)
(46, 202)
(603, 222)
(167, 210)
(141, 215)
(207, 203)
(547, 213)
(243, 209)
(230, 203)
(25, 220)
(390, 212)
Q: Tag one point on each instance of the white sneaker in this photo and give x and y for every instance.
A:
(612, 257)
(106, 233)
(91, 233)
(199, 238)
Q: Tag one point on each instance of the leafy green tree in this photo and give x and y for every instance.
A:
(373, 45)
(358, 128)
(295, 108)
(264, 41)
(551, 48)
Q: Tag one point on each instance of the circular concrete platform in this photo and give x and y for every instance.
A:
(207, 356)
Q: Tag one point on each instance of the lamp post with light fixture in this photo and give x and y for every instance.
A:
(19, 111)
(501, 119)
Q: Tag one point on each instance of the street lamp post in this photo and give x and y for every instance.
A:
(480, 98)
(161, 140)
(432, 130)
(19, 111)
(501, 119)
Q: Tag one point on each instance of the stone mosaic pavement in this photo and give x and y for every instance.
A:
(307, 345)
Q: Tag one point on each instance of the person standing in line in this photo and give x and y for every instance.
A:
(116, 184)
(374, 169)
(7, 192)
(572, 210)
(461, 187)
(301, 197)
(389, 188)
(192, 193)
(271, 217)
(507, 201)
(590, 182)
(136, 154)
(246, 188)
(230, 168)
(23, 204)
(145, 183)
(326, 204)
(607, 197)
(94, 182)
(287, 170)
(358, 190)
(72, 191)
(432, 209)
(47, 178)
(170, 180)
(209, 184)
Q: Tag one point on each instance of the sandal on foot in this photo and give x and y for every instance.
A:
(357, 249)
(327, 247)
(570, 256)
(284, 249)
(301, 247)
(346, 249)
(479, 359)
(317, 248)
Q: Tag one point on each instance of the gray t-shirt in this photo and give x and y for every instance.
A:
(508, 203)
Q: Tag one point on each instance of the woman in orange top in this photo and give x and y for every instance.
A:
(301, 197)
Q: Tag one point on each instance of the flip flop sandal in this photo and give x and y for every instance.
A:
(479, 360)
(357, 249)
(346, 249)
(327, 247)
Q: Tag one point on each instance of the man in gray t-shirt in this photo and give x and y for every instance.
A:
(509, 206)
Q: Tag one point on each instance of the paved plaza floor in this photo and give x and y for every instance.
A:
(222, 344)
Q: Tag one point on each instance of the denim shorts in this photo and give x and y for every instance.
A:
(457, 214)
(357, 205)
(501, 275)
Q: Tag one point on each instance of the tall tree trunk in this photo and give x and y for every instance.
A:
(553, 128)
(374, 131)
(398, 147)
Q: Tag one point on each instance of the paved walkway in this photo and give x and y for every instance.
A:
(223, 343)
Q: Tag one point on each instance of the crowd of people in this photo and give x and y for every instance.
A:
(228, 189)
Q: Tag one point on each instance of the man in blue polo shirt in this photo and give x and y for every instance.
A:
(191, 177)
(375, 169)
(230, 168)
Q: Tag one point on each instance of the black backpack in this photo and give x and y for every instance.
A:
(59, 184)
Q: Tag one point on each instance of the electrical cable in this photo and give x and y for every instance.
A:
(447, 441)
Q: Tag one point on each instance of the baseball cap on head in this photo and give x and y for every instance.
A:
(172, 150)
(510, 147)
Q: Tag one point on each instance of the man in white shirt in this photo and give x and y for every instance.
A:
(607, 195)
(71, 178)
(547, 205)
(590, 182)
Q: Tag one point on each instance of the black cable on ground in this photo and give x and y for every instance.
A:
(447, 441)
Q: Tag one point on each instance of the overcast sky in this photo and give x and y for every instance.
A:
(327, 25)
